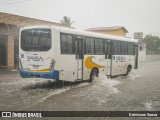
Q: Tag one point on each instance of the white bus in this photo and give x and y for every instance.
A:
(73, 55)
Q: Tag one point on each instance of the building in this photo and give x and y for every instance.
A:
(9, 29)
(9, 33)
(116, 30)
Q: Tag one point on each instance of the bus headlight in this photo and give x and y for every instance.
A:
(52, 64)
(20, 64)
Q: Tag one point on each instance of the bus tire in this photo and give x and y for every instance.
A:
(129, 68)
(94, 73)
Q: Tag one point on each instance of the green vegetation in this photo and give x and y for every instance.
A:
(66, 21)
(153, 42)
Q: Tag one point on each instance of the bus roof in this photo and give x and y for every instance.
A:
(84, 33)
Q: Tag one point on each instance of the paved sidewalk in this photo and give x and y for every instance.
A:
(7, 71)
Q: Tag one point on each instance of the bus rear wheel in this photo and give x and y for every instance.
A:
(129, 68)
(94, 73)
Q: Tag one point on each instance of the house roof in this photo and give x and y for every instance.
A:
(107, 28)
(23, 21)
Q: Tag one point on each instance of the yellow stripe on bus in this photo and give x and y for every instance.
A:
(42, 70)
(90, 64)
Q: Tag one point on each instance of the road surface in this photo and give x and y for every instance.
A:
(139, 91)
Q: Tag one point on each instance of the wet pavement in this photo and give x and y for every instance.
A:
(140, 90)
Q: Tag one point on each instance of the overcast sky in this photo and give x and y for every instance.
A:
(134, 15)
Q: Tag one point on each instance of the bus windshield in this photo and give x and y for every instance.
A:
(36, 40)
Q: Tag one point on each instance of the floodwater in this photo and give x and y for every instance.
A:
(20, 94)
(139, 91)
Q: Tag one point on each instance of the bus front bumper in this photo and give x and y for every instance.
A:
(48, 75)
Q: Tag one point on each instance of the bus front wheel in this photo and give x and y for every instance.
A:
(94, 73)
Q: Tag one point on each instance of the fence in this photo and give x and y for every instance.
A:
(152, 55)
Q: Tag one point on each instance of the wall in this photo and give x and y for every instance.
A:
(118, 32)
(10, 33)
(152, 56)
(23, 21)
(142, 55)
(9, 26)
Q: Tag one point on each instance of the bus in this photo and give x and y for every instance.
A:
(72, 55)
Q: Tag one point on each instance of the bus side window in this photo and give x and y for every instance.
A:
(109, 48)
(129, 52)
(105, 49)
(89, 45)
(70, 44)
(63, 44)
(67, 44)
(115, 48)
(123, 48)
(134, 49)
(99, 46)
(130, 48)
(112, 48)
(118, 48)
(126, 48)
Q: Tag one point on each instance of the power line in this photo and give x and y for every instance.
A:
(9, 3)
(6, 1)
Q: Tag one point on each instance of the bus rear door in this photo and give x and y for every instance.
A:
(79, 57)
(108, 57)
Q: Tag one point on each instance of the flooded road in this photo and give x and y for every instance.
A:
(140, 90)
(22, 94)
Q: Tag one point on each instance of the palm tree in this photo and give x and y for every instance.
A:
(66, 21)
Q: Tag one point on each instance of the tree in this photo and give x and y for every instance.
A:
(66, 21)
(152, 42)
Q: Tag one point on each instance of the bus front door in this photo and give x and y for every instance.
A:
(136, 56)
(108, 57)
(79, 57)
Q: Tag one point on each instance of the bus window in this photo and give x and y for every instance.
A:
(126, 48)
(130, 48)
(105, 49)
(123, 48)
(67, 44)
(119, 48)
(99, 46)
(36, 39)
(134, 49)
(115, 52)
(63, 44)
(79, 48)
(89, 45)
(109, 50)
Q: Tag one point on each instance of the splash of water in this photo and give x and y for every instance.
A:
(148, 105)
(134, 74)
(99, 89)
(60, 91)
(107, 83)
